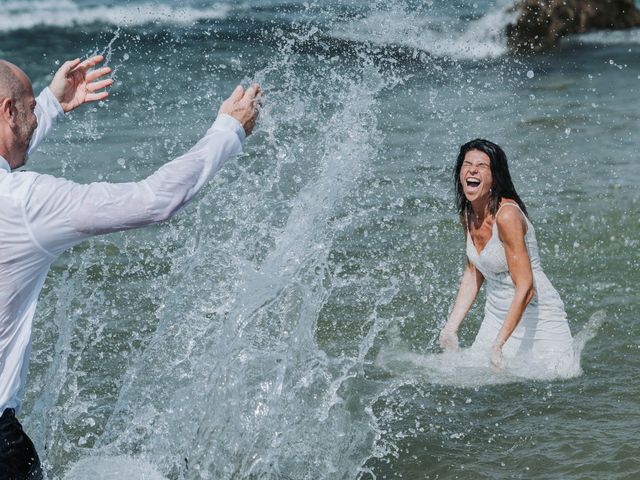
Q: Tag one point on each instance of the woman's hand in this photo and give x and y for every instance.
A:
(448, 339)
(496, 358)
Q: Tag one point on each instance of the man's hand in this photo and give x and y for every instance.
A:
(243, 106)
(75, 84)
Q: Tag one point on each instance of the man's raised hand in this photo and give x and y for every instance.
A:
(243, 106)
(75, 83)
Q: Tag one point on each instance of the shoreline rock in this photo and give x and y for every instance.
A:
(542, 23)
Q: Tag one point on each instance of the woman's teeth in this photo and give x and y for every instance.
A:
(472, 182)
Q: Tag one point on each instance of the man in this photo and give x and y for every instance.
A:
(41, 216)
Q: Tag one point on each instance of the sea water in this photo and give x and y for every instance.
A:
(284, 325)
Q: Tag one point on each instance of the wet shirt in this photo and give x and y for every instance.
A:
(41, 216)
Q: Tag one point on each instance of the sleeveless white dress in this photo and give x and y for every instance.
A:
(543, 332)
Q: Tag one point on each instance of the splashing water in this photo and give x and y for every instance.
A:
(273, 329)
(108, 468)
(470, 368)
(237, 345)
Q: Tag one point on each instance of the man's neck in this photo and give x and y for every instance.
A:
(5, 149)
(4, 164)
(10, 155)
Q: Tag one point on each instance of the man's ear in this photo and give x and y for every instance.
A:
(7, 113)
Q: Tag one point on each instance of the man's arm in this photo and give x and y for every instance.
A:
(47, 110)
(73, 85)
(62, 213)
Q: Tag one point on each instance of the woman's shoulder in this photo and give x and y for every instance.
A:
(509, 213)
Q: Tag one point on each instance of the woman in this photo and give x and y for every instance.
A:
(523, 312)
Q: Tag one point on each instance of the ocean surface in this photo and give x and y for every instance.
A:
(284, 325)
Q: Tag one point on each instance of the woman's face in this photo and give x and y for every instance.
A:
(475, 175)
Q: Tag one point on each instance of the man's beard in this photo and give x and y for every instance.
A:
(26, 133)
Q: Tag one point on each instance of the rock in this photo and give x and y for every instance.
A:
(542, 23)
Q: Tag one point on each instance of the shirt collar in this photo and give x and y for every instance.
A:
(4, 165)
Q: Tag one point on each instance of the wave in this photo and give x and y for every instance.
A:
(607, 37)
(21, 14)
(440, 37)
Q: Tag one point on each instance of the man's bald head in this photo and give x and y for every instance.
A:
(17, 114)
(12, 81)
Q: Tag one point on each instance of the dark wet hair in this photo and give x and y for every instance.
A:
(502, 184)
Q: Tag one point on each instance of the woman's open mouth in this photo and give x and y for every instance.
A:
(473, 184)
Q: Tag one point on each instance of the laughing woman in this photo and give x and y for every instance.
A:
(523, 312)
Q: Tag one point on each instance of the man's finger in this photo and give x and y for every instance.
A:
(91, 62)
(257, 101)
(95, 86)
(69, 65)
(94, 97)
(95, 74)
(251, 92)
(237, 94)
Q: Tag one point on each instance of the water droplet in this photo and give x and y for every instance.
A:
(530, 74)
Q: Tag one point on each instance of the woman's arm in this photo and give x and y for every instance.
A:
(470, 285)
(512, 229)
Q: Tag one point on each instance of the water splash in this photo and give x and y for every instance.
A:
(234, 368)
(113, 468)
(589, 331)
(476, 40)
(241, 339)
(470, 368)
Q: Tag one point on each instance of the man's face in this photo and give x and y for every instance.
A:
(26, 121)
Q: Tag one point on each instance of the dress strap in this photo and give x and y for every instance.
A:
(513, 204)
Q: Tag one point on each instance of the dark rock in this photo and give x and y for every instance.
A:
(542, 23)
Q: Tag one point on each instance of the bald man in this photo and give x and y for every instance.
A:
(42, 216)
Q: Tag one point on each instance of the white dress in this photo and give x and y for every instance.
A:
(543, 332)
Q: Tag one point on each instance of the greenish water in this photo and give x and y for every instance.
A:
(246, 338)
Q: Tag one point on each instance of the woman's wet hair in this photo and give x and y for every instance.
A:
(502, 184)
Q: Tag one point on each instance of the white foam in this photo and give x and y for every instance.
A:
(113, 468)
(469, 368)
(617, 37)
(478, 39)
(23, 14)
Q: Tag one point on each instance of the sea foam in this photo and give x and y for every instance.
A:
(470, 368)
(475, 40)
(22, 14)
(617, 37)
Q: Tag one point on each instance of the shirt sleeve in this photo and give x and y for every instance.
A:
(61, 213)
(47, 110)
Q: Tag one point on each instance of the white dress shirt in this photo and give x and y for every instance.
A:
(41, 216)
